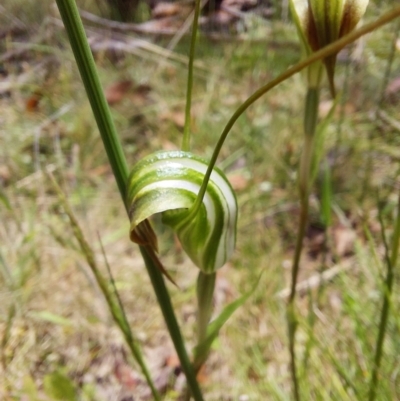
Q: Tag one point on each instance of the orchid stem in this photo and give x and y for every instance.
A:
(189, 86)
(310, 123)
(205, 292)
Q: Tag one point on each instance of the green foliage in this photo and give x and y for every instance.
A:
(29, 389)
(59, 386)
(52, 318)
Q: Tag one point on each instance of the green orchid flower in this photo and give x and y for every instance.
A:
(168, 183)
(322, 22)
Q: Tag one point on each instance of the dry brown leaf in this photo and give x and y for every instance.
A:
(117, 91)
(168, 145)
(224, 292)
(166, 25)
(163, 380)
(5, 173)
(100, 170)
(140, 95)
(143, 89)
(177, 117)
(238, 181)
(32, 103)
(392, 92)
(348, 108)
(211, 6)
(220, 17)
(344, 238)
(315, 240)
(169, 369)
(335, 300)
(241, 4)
(202, 376)
(162, 10)
(326, 105)
(125, 375)
(172, 361)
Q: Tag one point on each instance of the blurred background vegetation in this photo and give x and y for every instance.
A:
(57, 338)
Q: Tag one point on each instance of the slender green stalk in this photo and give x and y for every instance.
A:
(205, 292)
(320, 54)
(388, 288)
(326, 205)
(389, 65)
(205, 282)
(173, 328)
(310, 124)
(87, 68)
(189, 86)
(7, 335)
(343, 100)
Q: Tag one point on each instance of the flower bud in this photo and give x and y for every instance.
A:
(322, 22)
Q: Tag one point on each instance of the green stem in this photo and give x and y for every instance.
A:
(173, 328)
(310, 123)
(389, 65)
(87, 68)
(320, 54)
(189, 87)
(388, 288)
(327, 220)
(342, 114)
(205, 292)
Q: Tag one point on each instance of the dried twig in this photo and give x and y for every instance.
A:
(125, 26)
(392, 122)
(315, 281)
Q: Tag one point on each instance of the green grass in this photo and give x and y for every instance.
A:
(61, 323)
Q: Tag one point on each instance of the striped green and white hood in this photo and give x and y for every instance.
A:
(168, 183)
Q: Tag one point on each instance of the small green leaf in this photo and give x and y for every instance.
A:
(4, 199)
(29, 389)
(52, 318)
(7, 329)
(59, 386)
(202, 350)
